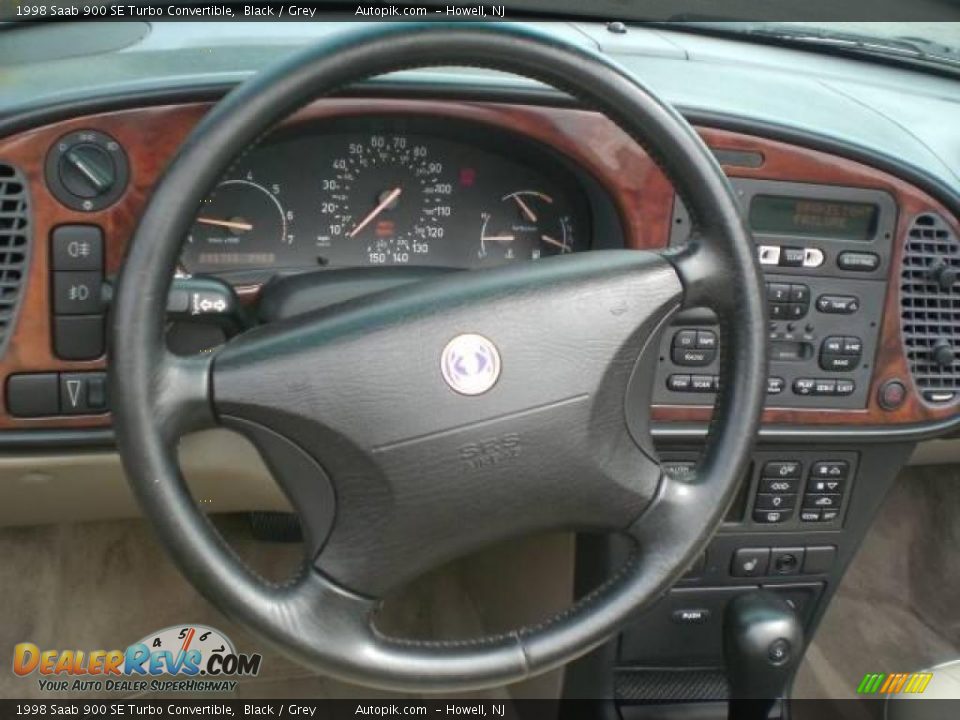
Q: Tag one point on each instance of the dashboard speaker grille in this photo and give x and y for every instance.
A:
(14, 245)
(930, 306)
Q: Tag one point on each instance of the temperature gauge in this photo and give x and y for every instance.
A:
(525, 225)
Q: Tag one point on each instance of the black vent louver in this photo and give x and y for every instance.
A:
(14, 245)
(930, 307)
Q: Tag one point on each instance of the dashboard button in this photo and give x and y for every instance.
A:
(782, 469)
(771, 501)
(833, 344)
(800, 294)
(83, 393)
(804, 386)
(778, 485)
(33, 395)
(750, 562)
(679, 469)
(771, 517)
(892, 394)
(838, 304)
(775, 385)
(768, 254)
(777, 311)
(786, 561)
(830, 469)
(829, 515)
(703, 383)
(825, 485)
(706, 340)
(685, 339)
(78, 337)
(678, 383)
(819, 559)
(690, 616)
(77, 293)
(838, 363)
(858, 261)
(795, 311)
(824, 386)
(852, 346)
(77, 247)
(778, 292)
(812, 257)
(822, 502)
(692, 356)
(845, 387)
(792, 256)
(807, 515)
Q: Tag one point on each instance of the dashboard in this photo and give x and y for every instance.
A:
(383, 191)
(858, 262)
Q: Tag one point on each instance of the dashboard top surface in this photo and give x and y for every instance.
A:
(847, 100)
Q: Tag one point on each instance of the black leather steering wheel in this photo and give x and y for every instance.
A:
(390, 468)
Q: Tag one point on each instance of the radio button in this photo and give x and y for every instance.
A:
(800, 294)
(845, 387)
(804, 386)
(685, 339)
(775, 385)
(838, 304)
(706, 340)
(678, 383)
(858, 261)
(838, 363)
(702, 383)
(812, 257)
(693, 356)
(792, 256)
(778, 292)
(825, 386)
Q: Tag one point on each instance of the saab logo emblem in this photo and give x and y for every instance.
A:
(470, 364)
(894, 683)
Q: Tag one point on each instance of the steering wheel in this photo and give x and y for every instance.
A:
(419, 424)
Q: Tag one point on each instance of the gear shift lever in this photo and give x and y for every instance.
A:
(762, 645)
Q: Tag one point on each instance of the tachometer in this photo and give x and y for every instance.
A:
(387, 197)
(241, 224)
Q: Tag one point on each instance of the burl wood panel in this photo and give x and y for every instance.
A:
(641, 193)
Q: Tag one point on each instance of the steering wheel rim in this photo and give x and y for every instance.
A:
(326, 624)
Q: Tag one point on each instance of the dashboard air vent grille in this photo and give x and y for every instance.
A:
(14, 244)
(930, 307)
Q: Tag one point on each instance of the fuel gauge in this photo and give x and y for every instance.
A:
(525, 225)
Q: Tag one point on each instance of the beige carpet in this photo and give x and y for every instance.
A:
(104, 585)
(898, 607)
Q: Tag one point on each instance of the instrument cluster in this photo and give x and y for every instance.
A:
(389, 191)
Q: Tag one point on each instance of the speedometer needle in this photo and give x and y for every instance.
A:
(499, 238)
(233, 225)
(390, 197)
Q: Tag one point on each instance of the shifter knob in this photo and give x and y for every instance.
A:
(762, 645)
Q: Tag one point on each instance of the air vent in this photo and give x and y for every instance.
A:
(930, 307)
(14, 245)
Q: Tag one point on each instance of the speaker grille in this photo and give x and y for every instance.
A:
(14, 245)
(930, 309)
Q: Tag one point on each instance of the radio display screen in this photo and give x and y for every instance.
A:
(783, 215)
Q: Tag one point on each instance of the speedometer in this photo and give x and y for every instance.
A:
(387, 197)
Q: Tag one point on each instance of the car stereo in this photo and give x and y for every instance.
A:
(825, 253)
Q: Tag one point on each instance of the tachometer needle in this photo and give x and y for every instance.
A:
(233, 225)
(387, 200)
(525, 208)
(549, 240)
